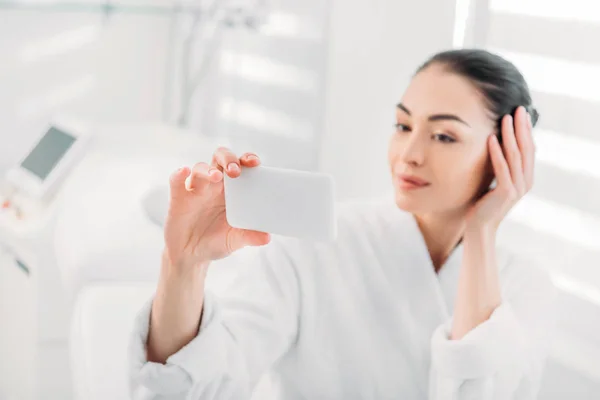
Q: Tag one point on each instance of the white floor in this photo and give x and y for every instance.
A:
(34, 325)
(54, 372)
(561, 383)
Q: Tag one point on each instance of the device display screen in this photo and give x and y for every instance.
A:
(48, 152)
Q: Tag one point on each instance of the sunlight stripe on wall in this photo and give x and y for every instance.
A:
(555, 75)
(569, 153)
(62, 43)
(558, 220)
(268, 71)
(582, 10)
(258, 117)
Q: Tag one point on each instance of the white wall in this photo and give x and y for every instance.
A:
(374, 48)
(267, 87)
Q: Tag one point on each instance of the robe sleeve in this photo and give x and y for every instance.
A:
(503, 357)
(242, 333)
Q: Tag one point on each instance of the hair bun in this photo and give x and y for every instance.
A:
(535, 115)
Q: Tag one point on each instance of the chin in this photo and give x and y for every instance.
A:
(411, 204)
(425, 204)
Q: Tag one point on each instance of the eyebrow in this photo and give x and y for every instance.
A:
(435, 117)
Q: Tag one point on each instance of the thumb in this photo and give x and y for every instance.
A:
(244, 237)
(177, 182)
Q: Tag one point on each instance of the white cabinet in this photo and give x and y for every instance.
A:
(18, 328)
(28, 298)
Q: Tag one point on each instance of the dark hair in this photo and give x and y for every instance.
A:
(497, 79)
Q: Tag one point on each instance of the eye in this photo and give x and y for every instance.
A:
(401, 127)
(442, 137)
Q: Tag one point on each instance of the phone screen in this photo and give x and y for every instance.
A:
(48, 152)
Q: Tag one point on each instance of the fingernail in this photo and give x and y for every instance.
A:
(233, 167)
(252, 157)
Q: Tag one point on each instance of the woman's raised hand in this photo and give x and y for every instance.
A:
(196, 230)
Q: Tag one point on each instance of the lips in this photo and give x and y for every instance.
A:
(413, 180)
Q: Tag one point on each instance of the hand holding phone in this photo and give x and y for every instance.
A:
(196, 230)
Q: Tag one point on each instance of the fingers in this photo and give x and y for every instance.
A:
(501, 168)
(227, 162)
(177, 182)
(526, 146)
(202, 175)
(512, 152)
(250, 160)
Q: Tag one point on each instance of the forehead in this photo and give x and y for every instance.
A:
(435, 91)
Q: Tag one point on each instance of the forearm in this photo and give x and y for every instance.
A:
(176, 309)
(478, 293)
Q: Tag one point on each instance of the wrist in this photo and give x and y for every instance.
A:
(177, 282)
(179, 267)
(480, 232)
(480, 245)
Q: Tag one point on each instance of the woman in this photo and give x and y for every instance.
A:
(413, 300)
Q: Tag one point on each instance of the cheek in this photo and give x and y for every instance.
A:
(461, 171)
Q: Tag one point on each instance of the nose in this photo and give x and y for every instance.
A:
(414, 149)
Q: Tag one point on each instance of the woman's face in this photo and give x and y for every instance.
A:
(440, 140)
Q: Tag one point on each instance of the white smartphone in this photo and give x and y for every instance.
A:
(282, 201)
(47, 163)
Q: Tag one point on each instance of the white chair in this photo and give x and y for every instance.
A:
(101, 327)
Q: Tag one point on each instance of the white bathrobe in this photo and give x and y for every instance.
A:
(363, 317)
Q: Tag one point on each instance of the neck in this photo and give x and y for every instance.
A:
(442, 232)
